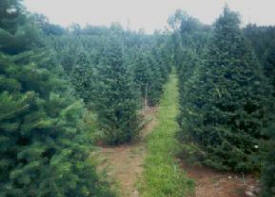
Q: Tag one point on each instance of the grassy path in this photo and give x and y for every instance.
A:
(162, 176)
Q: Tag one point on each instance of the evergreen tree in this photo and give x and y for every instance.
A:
(226, 101)
(269, 65)
(44, 143)
(262, 39)
(163, 54)
(82, 77)
(268, 175)
(11, 15)
(148, 76)
(78, 62)
(142, 74)
(156, 80)
(115, 99)
(15, 34)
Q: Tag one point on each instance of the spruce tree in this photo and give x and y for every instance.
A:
(115, 99)
(226, 101)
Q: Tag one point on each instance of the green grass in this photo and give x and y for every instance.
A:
(162, 176)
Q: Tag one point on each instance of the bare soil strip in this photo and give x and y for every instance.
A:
(212, 183)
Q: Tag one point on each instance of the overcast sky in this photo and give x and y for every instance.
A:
(148, 14)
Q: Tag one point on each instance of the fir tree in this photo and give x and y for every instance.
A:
(156, 80)
(268, 176)
(82, 77)
(226, 102)
(269, 65)
(142, 74)
(115, 99)
(44, 143)
(148, 77)
(16, 35)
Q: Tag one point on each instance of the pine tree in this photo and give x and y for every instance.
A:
(226, 101)
(115, 98)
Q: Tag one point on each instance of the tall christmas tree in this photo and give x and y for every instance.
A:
(226, 101)
(115, 95)
(268, 176)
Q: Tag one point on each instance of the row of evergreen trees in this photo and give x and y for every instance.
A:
(225, 96)
(115, 72)
(50, 80)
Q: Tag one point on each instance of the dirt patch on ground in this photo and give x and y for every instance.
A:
(124, 163)
(212, 183)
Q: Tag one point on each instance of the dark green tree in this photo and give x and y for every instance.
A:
(150, 73)
(262, 39)
(226, 101)
(115, 99)
(82, 77)
(142, 74)
(15, 34)
(269, 65)
(156, 80)
(44, 142)
(268, 176)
